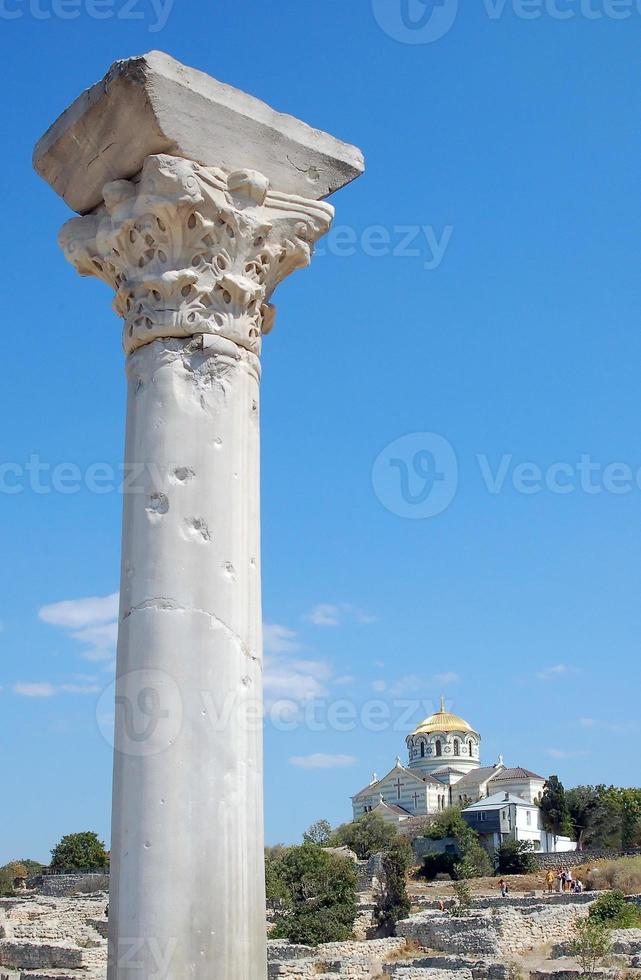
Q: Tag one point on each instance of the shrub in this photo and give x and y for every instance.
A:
(615, 912)
(623, 875)
(79, 852)
(438, 864)
(394, 903)
(463, 898)
(317, 895)
(591, 944)
(515, 857)
(366, 836)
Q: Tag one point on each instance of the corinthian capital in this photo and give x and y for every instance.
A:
(191, 250)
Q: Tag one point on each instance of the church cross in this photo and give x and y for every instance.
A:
(416, 801)
(398, 787)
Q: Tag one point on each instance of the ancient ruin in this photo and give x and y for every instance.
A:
(197, 200)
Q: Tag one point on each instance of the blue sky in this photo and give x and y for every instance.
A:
(480, 295)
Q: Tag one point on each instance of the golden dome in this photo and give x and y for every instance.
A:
(443, 721)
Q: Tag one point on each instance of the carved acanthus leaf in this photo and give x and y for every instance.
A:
(190, 250)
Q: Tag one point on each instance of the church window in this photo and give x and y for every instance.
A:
(470, 746)
(439, 747)
(422, 750)
(457, 747)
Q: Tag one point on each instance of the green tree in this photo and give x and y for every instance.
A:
(366, 836)
(79, 852)
(615, 912)
(318, 896)
(393, 903)
(515, 857)
(319, 833)
(472, 860)
(555, 812)
(591, 945)
(8, 875)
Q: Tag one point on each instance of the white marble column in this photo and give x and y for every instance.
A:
(197, 200)
(193, 256)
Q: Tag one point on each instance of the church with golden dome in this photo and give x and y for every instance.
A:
(443, 769)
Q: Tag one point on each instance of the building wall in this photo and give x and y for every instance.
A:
(530, 790)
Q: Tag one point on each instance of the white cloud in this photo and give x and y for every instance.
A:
(99, 641)
(325, 614)
(91, 622)
(345, 680)
(29, 690)
(280, 639)
(76, 613)
(80, 689)
(333, 614)
(44, 689)
(447, 678)
(321, 760)
(566, 753)
(615, 728)
(414, 684)
(551, 673)
(297, 679)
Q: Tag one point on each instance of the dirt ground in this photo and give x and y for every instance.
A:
(518, 885)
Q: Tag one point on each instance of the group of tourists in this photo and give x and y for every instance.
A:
(564, 881)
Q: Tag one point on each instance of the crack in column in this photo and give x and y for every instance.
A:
(165, 604)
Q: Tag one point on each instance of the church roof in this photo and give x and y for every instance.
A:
(517, 773)
(443, 721)
(477, 776)
(446, 771)
(498, 800)
(396, 808)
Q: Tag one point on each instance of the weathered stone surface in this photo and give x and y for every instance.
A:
(500, 931)
(190, 250)
(153, 104)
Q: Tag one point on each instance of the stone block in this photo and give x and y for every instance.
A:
(153, 104)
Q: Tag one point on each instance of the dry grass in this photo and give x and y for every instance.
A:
(478, 886)
(623, 874)
(410, 951)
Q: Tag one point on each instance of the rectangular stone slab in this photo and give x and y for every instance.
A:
(154, 104)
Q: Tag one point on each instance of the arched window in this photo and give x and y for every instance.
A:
(471, 747)
(439, 747)
(457, 747)
(422, 750)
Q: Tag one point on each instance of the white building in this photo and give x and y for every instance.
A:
(503, 816)
(444, 769)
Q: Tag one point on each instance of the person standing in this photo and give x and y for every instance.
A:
(550, 879)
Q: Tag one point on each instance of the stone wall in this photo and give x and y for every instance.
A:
(496, 931)
(571, 859)
(357, 960)
(58, 886)
(527, 901)
(446, 966)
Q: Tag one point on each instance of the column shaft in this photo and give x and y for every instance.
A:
(188, 897)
